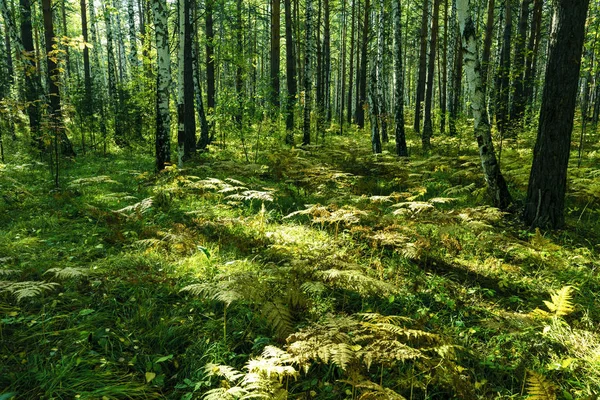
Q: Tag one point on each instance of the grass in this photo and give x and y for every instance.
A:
(156, 277)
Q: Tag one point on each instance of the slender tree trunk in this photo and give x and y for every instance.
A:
(545, 202)
(532, 51)
(381, 83)
(444, 84)
(400, 135)
(308, 72)
(496, 184)
(210, 64)
(427, 123)
(291, 75)
(487, 46)
(163, 81)
(517, 110)
(275, 53)
(52, 79)
(113, 91)
(65, 32)
(503, 74)
(360, 112)
(133, 53)
(422, 66)
(239, 68)
(181, 84)
(351, 74)
(326, 92)
(204, 130)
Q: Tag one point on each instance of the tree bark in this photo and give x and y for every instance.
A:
(517, 110)
(52, 79)
(210, 64)
(275, 53)
(360, 112)
(544, 207)
(163, 81)
(400, 135)
(503, 74)
(291, 75)
(308, 73)
(427, 123)
(420, 95)
(487, 46)
(497, 187)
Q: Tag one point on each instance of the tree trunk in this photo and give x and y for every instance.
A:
(351, 74)
(496, 184)
(113, 93)
(133, 56)
(275, 53)
(181, 84)
(444, 84)
(487, 47)
(362, 84)
(545, 202)
(210, 64)
(326, 91)
(503, 74)
(427, 123)
(291, 75)
(308, 72)
(517, 110)
(400, 135)
(532, 52)
(204, 130)
(422, 66)
(87, 78)
(52, 79)
(163, 80)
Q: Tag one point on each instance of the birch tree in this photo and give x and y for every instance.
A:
(497, 187)
(308, 73)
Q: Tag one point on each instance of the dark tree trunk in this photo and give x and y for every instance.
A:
(360, 112)
(291, 75)
(503, 74)
(487, 46)
(326, 79)
(400, 135)
(545, 202)
(517, 110)
(188, 79)
(210, 64)
(351, 74)
(422, 66)
(307, 73)
(52, 81)
(87, 77)
(427, 123)
(444, 83)
(532, 51)
(275, 52)
(457, 74)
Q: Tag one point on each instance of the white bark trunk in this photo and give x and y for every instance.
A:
(495, 181)
(159, 8)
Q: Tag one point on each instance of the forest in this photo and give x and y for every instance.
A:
(299, 199)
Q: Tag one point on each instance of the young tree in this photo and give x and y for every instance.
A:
(163, 81)
(400, 135)
(545, 202)
(496, 184)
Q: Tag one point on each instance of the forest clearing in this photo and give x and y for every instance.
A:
(410, 209)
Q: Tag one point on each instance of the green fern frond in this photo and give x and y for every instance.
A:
(356, 281)
(23, 290)
(94, 180)
(225, 371)
(213, 291)
(279, 317)
(137, 209)
(68, 272)
(6, 272)
(377, 392)
(561, 303)
(539, 388)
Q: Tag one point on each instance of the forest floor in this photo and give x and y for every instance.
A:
(289, 269)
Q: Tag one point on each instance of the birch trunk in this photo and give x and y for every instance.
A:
(181, 84)
(427, 123)
(381, 104)
(133, 56)
(496, 184)
(163, 80)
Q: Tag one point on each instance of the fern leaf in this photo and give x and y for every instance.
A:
(561, 303)
(225, 371)
(23, 290)
(539, 388)
(67, 272)
(279, 317)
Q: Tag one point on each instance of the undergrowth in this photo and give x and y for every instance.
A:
(324, 272)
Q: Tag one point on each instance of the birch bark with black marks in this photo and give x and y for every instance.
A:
(428, 123)
(399, 132)
(497, 187)
(308, 73)
(163, 81)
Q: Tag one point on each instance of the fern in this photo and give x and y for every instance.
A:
(68, 272)
(561, 303)
(279, 317)
(539, 388)
(23, 290)
(94, 180)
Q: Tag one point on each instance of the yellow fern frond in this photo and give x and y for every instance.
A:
(561, 303)
(539, 388)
